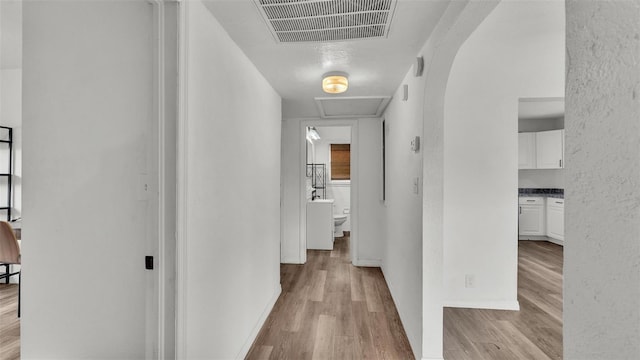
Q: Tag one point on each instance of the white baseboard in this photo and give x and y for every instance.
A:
(487, 304)
(368, 262)
(254, 333)
(556, 241)
(432, 358)
(289, 261)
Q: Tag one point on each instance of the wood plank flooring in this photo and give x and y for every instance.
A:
(9, 322)
(534, 332)
(330, 309)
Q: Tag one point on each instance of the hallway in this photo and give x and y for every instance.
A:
(330, 309)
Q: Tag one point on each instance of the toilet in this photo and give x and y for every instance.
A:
(338, 220)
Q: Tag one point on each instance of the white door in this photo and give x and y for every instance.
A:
(527, 150)
(549, 149)
(89, 164)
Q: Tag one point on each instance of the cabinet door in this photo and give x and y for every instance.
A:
(526, 150)
(555, 222)
(531, 220)
(550, 149)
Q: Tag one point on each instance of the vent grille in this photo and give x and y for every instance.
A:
(327, 20)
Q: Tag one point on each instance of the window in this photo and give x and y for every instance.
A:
(340, 162)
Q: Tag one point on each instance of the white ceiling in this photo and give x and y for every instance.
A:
(540, 108)
(375, 66)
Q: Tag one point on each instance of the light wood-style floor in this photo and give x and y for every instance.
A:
(330, 309)
(534, 332)
(9, 322)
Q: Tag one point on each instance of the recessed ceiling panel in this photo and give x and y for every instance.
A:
(329, 20)
(347, 107)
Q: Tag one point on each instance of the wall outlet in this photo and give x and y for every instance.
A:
(469, 281)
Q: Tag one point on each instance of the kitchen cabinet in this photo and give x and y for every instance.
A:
(527, 150)
(531, 216)
(550, 149)
(555, 218)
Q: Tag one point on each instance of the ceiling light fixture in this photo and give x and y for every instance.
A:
(335, 82)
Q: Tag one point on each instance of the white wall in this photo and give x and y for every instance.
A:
(231, 169)
(369, 169)
(87, 109)
(541, 179)
(602, 250)
(402, 256)
(412, 248)
(518, 51)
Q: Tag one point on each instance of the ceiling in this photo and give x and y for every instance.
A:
(375, 66)
(540, 108)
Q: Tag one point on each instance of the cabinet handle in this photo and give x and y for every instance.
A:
(520, 209)
(560, 162)
(530, 200)
(559, 202)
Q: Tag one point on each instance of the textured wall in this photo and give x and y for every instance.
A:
(602, 247)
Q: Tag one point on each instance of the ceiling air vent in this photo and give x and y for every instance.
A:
(327, 20)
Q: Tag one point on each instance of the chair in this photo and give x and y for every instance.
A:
(9, 253)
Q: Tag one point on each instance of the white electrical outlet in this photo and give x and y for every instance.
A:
(469, 281)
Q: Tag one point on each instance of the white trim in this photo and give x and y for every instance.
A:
(159, 97)
(438, 358)
(256, 329)
(368, 263)
(181, 186)
(485, 304)
(384, 101)
(353, 123)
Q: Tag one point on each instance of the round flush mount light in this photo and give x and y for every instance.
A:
(335, 82)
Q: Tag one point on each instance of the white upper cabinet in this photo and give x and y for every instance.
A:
(527, 150)
(550, 149)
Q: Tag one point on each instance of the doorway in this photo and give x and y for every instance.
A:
(320, 177)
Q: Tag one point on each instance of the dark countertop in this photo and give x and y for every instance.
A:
(549, 193)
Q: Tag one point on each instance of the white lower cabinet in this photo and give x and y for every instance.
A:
(531, 219)
(555, 218)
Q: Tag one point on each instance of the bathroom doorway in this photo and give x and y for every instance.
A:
(329, 174)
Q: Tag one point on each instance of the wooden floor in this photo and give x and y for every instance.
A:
(330, 309)
(534, 332)
(9, 323)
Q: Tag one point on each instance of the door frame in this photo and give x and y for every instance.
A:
(161, 299)
(353, 124)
